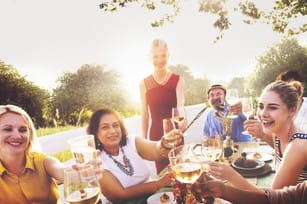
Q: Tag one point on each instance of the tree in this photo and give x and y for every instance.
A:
(287, 54)
(90, 88)
(195, 91)
(15, 89)
(279, 16)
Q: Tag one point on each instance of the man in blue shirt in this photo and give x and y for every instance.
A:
(216, 98)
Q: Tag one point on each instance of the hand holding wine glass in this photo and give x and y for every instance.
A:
(232, 97)
(81, 186)
(179, 118)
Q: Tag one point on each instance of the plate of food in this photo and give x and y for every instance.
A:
(259, 156)
(243, 163)
(161, 198)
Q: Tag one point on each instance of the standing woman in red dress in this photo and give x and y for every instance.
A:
(160, 92)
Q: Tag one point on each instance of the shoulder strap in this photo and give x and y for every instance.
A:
(298, 135)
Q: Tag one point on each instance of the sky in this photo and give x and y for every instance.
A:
(43, 39)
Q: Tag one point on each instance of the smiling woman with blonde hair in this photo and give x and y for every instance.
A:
(27, 176)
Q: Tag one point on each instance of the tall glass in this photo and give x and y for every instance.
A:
(211, 148)
(168, 125)
(81, 186)
(83, 148)
(232, 97)
(248, 110)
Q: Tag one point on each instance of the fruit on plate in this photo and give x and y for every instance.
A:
(164, 198)
(257, 155)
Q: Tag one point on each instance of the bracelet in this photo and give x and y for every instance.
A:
(267, 196)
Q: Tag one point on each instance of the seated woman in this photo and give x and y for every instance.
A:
(126, 175)
(278, 105)
(27, 176)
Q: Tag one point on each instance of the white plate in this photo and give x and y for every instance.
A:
(260, 165)
(264, 157)
(155, 198)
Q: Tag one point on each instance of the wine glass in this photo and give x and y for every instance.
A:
(232, 97)
(186, 168)
(179, 117)
(212, 146)
(81, 186)
(168, 125)
(248, 110)
(83, 148)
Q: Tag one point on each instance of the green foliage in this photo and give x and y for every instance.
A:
(195, 88)
(52, 130)
(279, 16)
(90, 88)
(64, 155)
(15, 89)
(287, 54)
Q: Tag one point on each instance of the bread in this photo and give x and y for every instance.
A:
(164, 198)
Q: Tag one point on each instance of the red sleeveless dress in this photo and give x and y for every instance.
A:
(160, 99)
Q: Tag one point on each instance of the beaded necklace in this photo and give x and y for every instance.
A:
(127, 168)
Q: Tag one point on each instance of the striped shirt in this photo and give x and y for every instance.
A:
(278, 159)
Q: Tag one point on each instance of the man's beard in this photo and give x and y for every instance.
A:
(217, 104)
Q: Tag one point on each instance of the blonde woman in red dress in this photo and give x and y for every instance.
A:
(160, 92)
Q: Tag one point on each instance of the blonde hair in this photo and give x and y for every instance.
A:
(158, 43)
(33, 142)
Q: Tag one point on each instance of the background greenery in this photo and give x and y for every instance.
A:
(92, 87)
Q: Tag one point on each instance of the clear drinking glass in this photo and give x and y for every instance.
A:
(179, 117)
(185, 166)
(212, 146)
(83, 148)
(248, 110)
(168, 125)
(81, 186)
(232, 97)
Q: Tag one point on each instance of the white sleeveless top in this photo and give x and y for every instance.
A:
(141, 172)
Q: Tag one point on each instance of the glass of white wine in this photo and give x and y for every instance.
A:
(168, 125)
(232, 97)
(83, 148)
(248, 110)
(211, 148)
(81, 186)
(179, 117)
(186, 168)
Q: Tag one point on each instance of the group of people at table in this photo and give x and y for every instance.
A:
(29, 176)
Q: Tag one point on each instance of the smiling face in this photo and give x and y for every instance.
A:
(159, 55)
(274, 114)
(216, 97)
(109, 131)
(14, 134)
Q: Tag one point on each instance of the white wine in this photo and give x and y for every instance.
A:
(84, 196)
(84, 154)
(212, 153)
(187, 172)
(170, 139)
(177, 119)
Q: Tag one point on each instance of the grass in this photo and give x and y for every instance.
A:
(64, 155)
(51, 130)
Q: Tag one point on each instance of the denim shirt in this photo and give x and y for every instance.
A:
(212, 125)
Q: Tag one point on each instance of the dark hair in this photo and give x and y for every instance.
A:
(93, 126)
(290, 74)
